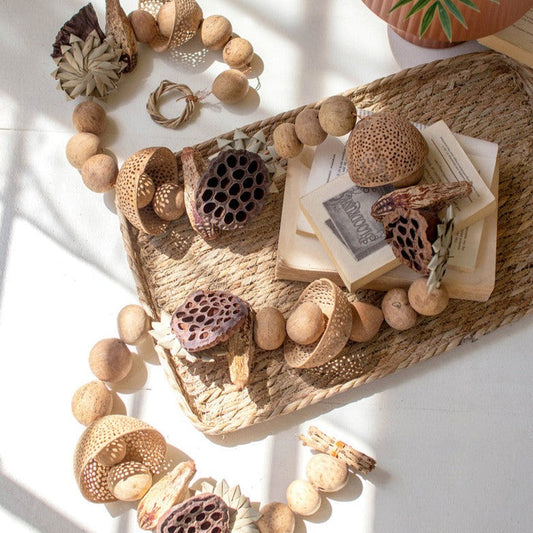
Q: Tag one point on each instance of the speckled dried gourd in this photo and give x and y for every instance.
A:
(207, 318)
(89, 117)
(233, 189)
(99, 173)
(308, 128)
(397, 311)
(81, 147)
(385, 148)
(168, 201)
(205, 513)
(411, 234)
(215, 32)
(238, 53)
(286, 141)
(91, 402)
(337, 115)
(230, 86)
(144, 25)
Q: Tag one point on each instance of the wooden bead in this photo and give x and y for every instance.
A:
(89, 117)
(276, 518)
(169, 202)
(366, 321)
(427, 303)
(145, 190)
(132, 323)
(337, 115)
(215, 32)
(397, 311)
(144, 25)
(286, 142)
(238, 53)
(110, 360)
(306, 323)
(112, 454)
(165, 19)
(303, 498)
(326, 473)
(269, 328)
(91, 402)
(308, 128)
(81, 147)
(129, 481)
(230, 86)
(99, 173)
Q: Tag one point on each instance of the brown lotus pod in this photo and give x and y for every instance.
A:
(385, 148)
(433, 197)
(204, 513)
(233, 189)
(411, 233)
(207, 318)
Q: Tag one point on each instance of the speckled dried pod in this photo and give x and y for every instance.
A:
(99, 173)
(207, 318)
(215, 32)
(308, 128)
(168, 201)
(366, 321)
(81, 147)
(145, 191)
(230, 86)
(233, 189)
(110, 360)
(269, 331)
(326, 473)
(118, 26)
(144, 25)
(113, 453)
(303, 498)
(129, 481)
(385, 148)
(276, 518)
(238, 53)
(286, 141)
(89, 117)
(337, 115)
(425, 302)
(397, 311)
(91, 402)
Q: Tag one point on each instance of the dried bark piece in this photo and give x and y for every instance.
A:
(411, 233)
(241, 349)
(205, 513)
(194, 166)
(207, 318)
(433, 197)
(233, 189)
(119, 27)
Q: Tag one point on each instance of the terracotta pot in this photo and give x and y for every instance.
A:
(491, 18)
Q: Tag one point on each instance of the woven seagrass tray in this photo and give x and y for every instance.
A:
(482, 95)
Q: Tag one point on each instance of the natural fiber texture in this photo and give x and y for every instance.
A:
(482, 95)
(321, 442)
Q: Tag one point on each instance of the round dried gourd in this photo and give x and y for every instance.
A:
(385, 148)
(207, 318)
(233, 189)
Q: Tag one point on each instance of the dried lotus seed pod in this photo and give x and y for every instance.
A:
(327, 473)
(91, 402)
(425, 302)
(129, 481)
(215, 32)
(303, 498)
(233, 189)
(99, 173)
(337, 115)
(238, 53)
(89, 117)
(308, 128)
(230, 86)
(397, 311)
(112, 454)
(207, 318)
(144, 25)
(168, 201)
(286, 142)
(145, 190)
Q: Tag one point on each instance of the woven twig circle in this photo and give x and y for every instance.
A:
(191, 99)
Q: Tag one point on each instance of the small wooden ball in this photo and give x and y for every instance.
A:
(337, 115)
(165, 19)
(286, 141)
(81, 147)
(112, 454)
(89, 117)
(145, 190)
(308, 128)
(169, 202)
(397, 311)
(238, 53)
(110, 360)
(132, 323)
(366, 321)
(269, 328)
(276, 518)
(144, 25)
(99, 173)
(326, 473)
(427, 303)
(129, 481)
(306, 323)
(91, 402)
(303, 498)
(230, 86)
(215, 32)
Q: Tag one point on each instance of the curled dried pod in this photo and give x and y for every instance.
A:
(113, 453)
(110, 360)
(238, 53)
(91, 402)
(207, 318)
(119, 27)
(230, 86)
(303, 498)
(366, 321)
(426, 302)
(337, 115)
(286, 141)
(269, 331)
(385, 148)
(233, 189)
(89, 117)
(168, 201)
(144, 25)
(306, 323)
(99, 173)
(308, 128)
(129, 481)
(327, 473)
(81, 147)
(145, 190)
(276, 518)
(133, 323)
(215, 32)
(397, 311)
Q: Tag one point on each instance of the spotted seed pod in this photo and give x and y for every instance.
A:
(233, 189)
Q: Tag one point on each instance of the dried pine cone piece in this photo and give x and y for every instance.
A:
(208, 318)
(411, 234)
(205, 513)
(233, 189)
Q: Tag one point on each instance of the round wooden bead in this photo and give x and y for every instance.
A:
(303, 498)
(276, 518)
(215, 32)
(144, 25)
(82, 146)
(306, 323)
(286, 142)
(230, 86)
(169, 202)
(145, 190)
(337, 115)
(308, 128)
(238, 53)
(91, 402)
(132, 323)
(89, 117)
(99, 173)
(110, 360)
(269, 328)
(327, 473)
